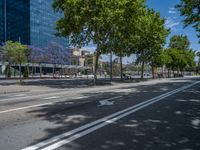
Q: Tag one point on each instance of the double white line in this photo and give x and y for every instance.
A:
(72, 135)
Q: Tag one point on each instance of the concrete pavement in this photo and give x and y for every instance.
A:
(21, 128)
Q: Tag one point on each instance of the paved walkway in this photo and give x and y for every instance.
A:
(43, 86)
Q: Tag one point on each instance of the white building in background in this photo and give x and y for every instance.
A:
(78, 57)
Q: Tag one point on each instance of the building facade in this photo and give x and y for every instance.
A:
(31, 22)
(1, 20)
(78, 56)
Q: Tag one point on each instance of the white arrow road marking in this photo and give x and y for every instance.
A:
(107, 102)
(58, 141)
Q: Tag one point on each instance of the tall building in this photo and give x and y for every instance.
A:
(1, 21)
(31, 22)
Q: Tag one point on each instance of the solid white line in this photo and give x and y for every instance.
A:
(19, 95)
(112, 98)
(39, 105)
(23, 108)
(53, 97)
(59, 137)
(34, 96)
(56, 138)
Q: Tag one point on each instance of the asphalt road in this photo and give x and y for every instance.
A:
(152, 115)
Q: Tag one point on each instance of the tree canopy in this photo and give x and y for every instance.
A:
(179, 42)
(179, 55)
(190, 9)
(152, 37)
(96, 21)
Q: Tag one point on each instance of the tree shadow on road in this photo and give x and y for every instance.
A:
(147, 132)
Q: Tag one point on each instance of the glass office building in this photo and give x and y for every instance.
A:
(1, 21)
(31, 22)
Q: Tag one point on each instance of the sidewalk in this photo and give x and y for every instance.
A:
(53, 86)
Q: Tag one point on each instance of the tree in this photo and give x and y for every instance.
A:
(7, 51)
(38, 56)
(198, 55)
(159, 60)
(14, 52)
(152, 36)
(180, 42)
(190, 9)
(198, 66)
(19, 55)
(180, 59)
(123, 39)
(179, 54)
(93, 20)
(56, 54)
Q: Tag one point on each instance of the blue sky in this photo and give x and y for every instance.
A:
(173, 21)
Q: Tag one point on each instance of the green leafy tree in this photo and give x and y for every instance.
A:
(198, 55)
(198, 66)
(179, 54)
(93, 20)
(190, 9)
(19, 55)
(152, 37)
(7, 50)
(180, 59)
(123, 39)
(15, 53)
(180, 42)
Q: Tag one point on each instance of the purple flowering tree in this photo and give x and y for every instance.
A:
(37, 56)
(57, 55)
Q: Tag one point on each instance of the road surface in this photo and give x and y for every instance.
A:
(153, 115)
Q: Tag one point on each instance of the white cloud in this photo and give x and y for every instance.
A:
(172, 10)
(170, 23)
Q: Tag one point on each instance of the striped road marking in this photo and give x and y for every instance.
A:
(65, 138)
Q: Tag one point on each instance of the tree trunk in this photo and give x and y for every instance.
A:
(142, 71)
(53, 70)
(14, 71)
(153, 72)
(20, 71)
(163, 74)
(32, 70)
(8, 71)
(96, 66)
(121, 68)
(111, 67)
(62, 70)
(40, 70)
(173, 73)
(168, 73)
(28, 71)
